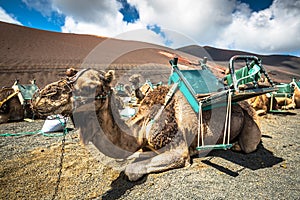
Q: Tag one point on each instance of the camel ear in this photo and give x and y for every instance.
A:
(109, 76)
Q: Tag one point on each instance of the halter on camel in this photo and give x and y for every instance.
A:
(66, 86)
(80, 99)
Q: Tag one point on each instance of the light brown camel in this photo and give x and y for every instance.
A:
(285, 103)
(10, 106)
(262, 103)
(170, 141)
(296, 94)
(293, 102)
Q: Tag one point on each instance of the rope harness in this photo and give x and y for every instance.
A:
(225, 144)
(26, 133)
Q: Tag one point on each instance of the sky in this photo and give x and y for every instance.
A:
(258, 26)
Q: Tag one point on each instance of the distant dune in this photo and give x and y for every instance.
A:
(27, 53)
(282, 68)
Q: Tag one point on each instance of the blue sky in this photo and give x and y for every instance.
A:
(265, 26)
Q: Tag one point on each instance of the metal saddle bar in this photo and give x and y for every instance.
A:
(202, 85)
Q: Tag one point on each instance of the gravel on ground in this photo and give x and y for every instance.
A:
(30, 165)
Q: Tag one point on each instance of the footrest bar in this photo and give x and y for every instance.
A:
(212, 147)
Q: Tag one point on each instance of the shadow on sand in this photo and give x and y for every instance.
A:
(261, 158)
(120, 186)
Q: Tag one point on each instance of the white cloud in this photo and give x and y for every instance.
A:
(92, 11)
(43, 6)
(219, 23)
(273, 30)
(95, 17)
(5, 17)
(114, 27)
(228, 24)
(200, 20)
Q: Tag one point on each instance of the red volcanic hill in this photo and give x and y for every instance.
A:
(282, 68)
(27, 53)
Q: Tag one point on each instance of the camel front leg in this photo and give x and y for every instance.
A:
(169, 159)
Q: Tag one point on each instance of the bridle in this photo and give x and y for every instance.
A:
(77, 99)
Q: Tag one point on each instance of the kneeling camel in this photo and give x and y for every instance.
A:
(167, 144)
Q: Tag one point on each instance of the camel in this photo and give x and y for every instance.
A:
(288, 98)
(138, 90)
(169, 141)
(262, 103)
(293, 102)
(10, 106)
(296, 95)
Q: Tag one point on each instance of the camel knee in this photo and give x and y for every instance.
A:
(289, 106)
(158, 163)
(249, 140)
(4, 118)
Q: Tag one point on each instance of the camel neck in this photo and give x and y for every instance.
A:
(116, 129)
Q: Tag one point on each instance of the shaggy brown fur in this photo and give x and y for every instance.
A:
(12, 109)
(164, 129)
(53, 98)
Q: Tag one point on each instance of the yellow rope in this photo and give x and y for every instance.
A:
(7, 98)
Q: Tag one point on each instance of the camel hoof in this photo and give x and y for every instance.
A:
(236, 147)
(134, 176)
(134, 172)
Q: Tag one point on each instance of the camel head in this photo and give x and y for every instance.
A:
(71, 72)
(65, 95)
(91, 89)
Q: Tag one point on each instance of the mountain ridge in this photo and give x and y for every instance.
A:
(28, 53)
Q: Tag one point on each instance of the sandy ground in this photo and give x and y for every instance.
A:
(29, 167)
